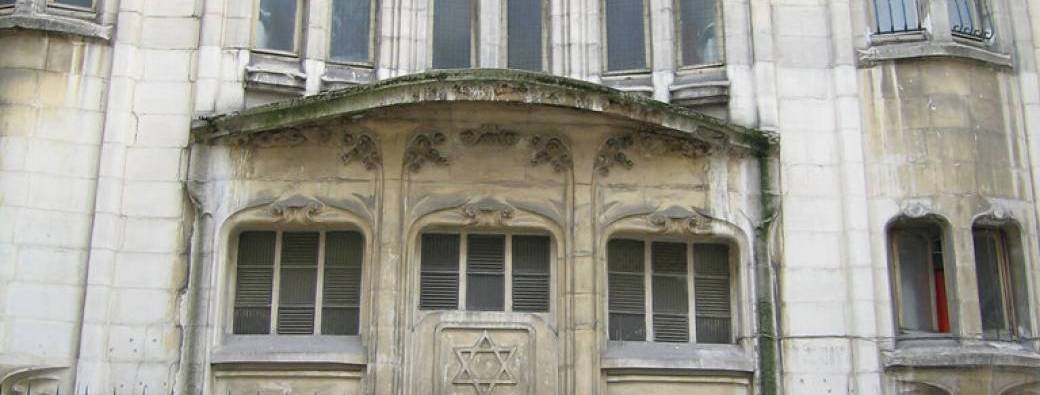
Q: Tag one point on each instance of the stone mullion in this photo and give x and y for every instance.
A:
(583, 296)
(389, 302)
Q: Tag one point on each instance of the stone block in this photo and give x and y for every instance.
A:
(20, 86)
(50, 265)
(801, 115)
(166, 65)
(126, 343)
(17, 120)
(23, 50)
(46, 302)
(148, 270)
(814, 284)
(12, 153)
(61, 158)
(59, 193)
(71, 125)
(153, 199)
(41, 339)
(175, 8)
(163, 131)
(822, 356)
(170, 33)
(152, 235)
(814, 83)
(143, 306)
(153, 164)
(802, 20)
(162, 98)
(52, 228)
(814, 318)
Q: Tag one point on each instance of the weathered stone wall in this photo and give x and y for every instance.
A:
(52, 90)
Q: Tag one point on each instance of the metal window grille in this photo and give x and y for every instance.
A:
(969, 19)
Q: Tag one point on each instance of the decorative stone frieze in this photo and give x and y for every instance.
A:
(423, 148)
(551, 150)
(490, 134)
(613, 152)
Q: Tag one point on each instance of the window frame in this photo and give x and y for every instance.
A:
(323, 230)
(474, 35)
(55, 4)
(979, 19)
(678, 46)
(691, 277)
(298, 31)
(895, 278)
(875, 22)
(373, 18)
(546, 20)
(647, 43)
(1003, 260)
(507, 279)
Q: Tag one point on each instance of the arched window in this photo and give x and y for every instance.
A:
(481, 271)
(919, 277)
(650, 284)
(298, 282)
(1000, 276)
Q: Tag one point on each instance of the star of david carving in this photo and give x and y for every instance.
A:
(484, 385)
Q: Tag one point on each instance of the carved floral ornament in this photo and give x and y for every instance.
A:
(616, 150)
(487, 212)
(297, 209)
(489, 134)
(681, 220)
(356, 144)
(426, 146)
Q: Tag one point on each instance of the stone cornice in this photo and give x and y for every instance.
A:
(498, 86)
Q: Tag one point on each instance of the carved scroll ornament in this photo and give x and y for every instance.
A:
(680, 220)
(361, 148)
(487, 212)
(297, 209)
(551, 150)
(490, 134)
(423, 149)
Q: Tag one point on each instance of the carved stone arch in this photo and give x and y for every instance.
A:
(996, 213)
(1027, 388)
(292, 212)
(919, 388)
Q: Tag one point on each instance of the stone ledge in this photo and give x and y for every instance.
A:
(927, 49)
(284, 349)
(627, 356)
(57, 24)
(947, 354)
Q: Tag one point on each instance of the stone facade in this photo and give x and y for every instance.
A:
(140, 138)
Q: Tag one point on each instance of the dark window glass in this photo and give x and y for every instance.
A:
(439, 289)
(525, 34)
(894, 16)
(74, 3)
(276, 25)
(253, 283)
(298, 283)
(452, 34)
(699, 21)
(993, 276)
(626, 37)
(351, 21)
(485, 272)
(341, 292)
(626, 290)
(6, 2)
(531, 273)
(921, 280)
(712, 293)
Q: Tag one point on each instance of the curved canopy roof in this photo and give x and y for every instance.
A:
(489, 86)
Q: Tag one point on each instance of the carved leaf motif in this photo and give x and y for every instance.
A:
(362, 148)
(422, 149)
(613, 154)
(551, 150)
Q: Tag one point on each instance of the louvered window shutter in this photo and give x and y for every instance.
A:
(253, 283)
(531, 273)
(298, 283)
(341, 291)
(712, 293)
(485, 272)
(439, 280)
(626, 290)
(670, 298)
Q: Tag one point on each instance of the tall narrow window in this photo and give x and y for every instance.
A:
(524, 28)
(699, 31)
(626, 35)
(491, 264)
(920, 284)
(994, 274)
(276, 25)
(351, 31)
(668, 283)
(452, 34)
(277, 277)
(897, 16)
